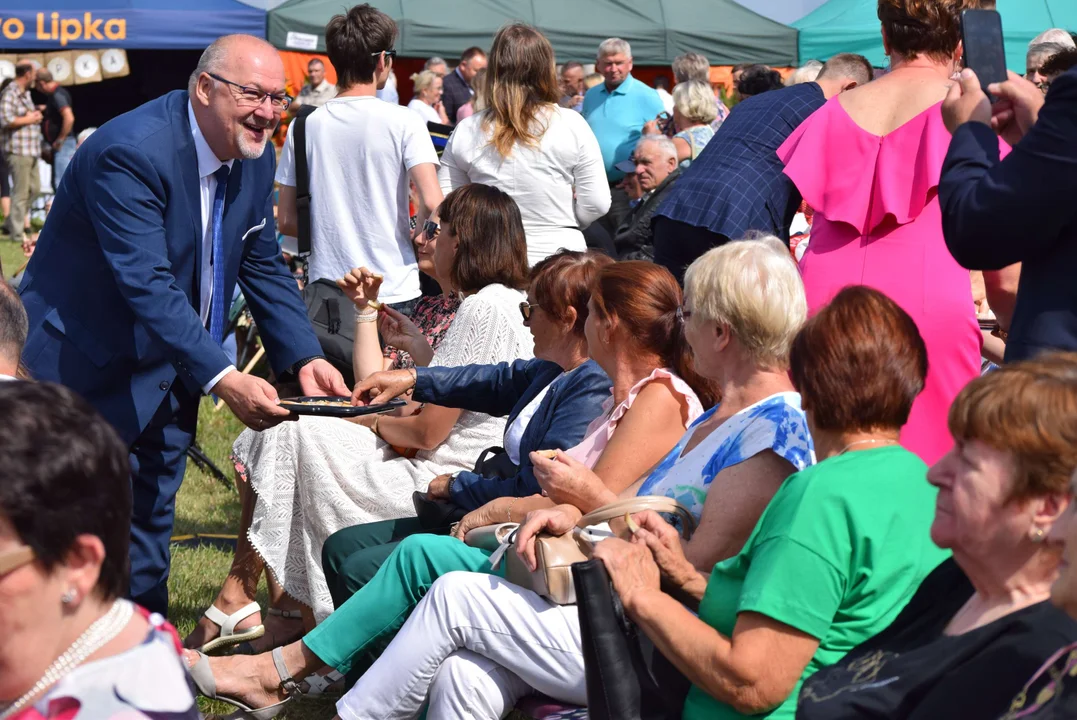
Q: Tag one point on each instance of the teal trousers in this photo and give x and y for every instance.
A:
(363, 625)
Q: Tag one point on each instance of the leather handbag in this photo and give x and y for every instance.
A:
(439, 515)
(555, 554)
(619, 684)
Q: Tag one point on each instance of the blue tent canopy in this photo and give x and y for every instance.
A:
(133, 24)
(853, 26)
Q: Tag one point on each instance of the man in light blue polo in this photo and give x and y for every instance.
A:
(616, 110)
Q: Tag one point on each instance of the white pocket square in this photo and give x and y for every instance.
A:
(254, 229)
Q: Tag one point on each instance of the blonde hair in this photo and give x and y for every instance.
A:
(695, 100)
(753, 287)
(479, 100)
(521, 83)
(422, 80)
(593, 79)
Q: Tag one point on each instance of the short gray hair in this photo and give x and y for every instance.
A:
(435, 61)
(1045, 50)
(806, 73)
(1054, 35)
(215, 57)
(614, 46)
(695, 100)
(753, 287)
(663, 143)
(691, 66)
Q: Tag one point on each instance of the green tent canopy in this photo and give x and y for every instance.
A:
(658, 30)
(853, 26)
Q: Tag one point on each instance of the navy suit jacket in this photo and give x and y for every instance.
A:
(573, 401)
(454, 94)
(1021, 209)
(112, 291)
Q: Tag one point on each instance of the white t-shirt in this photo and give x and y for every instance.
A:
(540, 179)
(427, 113)
(359, 152)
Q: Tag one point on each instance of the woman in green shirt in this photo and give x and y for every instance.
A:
(838, 552)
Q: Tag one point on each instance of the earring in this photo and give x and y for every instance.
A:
(1036, 534)
(69, 597)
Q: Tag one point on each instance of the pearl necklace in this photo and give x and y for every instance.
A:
(103, 630)
(846, 448)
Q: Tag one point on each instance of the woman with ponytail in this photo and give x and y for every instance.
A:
(476, 644)
(545, 156)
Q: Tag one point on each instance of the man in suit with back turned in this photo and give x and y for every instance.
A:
(160, 213)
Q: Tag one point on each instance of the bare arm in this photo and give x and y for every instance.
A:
(752, 672)
(68, 116)
(736, 499)
(287, 218)
(424, 431)
(684, 150)
(1001, 287)
(425, 177)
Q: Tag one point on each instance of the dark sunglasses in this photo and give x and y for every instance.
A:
(526, 308)
(388, 53)
(431, 229)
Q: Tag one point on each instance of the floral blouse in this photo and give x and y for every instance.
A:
(433, 316)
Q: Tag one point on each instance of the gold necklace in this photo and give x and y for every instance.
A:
(864, 442)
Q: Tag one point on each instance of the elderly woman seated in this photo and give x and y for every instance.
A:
(838, 551)
(980, 625)
(70, 646)
(744, 306)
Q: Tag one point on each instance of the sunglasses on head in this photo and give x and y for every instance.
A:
(430, 229)
(526, 308)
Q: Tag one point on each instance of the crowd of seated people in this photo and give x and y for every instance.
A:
(878, 530)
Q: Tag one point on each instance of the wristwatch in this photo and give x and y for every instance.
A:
(294, 369)
(452, 481)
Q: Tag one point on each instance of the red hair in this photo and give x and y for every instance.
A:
(645, 298)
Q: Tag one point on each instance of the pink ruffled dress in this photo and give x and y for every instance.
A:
(878, 223)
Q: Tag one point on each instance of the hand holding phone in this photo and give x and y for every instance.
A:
(985, 52)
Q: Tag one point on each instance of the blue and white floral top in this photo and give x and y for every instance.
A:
(775, 423)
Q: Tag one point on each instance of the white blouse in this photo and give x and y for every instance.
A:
(426, 112)
(560, 185)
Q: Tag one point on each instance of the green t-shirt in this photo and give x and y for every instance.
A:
(837, 554)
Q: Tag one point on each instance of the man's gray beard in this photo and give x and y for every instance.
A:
(248, 150)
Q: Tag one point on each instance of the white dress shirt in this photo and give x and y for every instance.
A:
(207, 186)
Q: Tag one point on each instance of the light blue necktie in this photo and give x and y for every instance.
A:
(216, 303)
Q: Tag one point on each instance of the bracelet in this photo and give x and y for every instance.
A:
(366, 316)
(374, 425)
(508, 511)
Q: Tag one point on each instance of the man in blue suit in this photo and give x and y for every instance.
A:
(1021, 209)
(160, 213)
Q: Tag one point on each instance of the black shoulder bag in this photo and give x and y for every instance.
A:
(328, 308)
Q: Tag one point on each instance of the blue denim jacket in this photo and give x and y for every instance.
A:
(575, 399)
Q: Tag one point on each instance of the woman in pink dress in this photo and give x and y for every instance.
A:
(868, 162)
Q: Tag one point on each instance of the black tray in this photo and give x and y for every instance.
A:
(336, 410)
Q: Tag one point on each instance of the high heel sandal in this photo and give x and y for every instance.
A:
(203, 679)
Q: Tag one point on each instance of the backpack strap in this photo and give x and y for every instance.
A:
(302, 180)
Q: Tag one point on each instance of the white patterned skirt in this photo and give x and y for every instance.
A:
(317, 475)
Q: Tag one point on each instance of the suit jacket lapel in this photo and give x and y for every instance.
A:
(189, 191)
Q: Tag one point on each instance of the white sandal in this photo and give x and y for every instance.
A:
(227, 623)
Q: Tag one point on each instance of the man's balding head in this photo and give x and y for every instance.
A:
(844, 72)
(13, 329)
(233, 123)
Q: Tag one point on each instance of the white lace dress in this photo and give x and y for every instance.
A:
(319, 475)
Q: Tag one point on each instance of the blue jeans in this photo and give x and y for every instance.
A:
(61, 160)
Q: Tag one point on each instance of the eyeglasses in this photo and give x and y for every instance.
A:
(14, 559)
(253, 97)
(526, 308)
(430, 230)
(388, 53)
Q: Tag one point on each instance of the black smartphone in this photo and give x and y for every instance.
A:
(985, 52)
